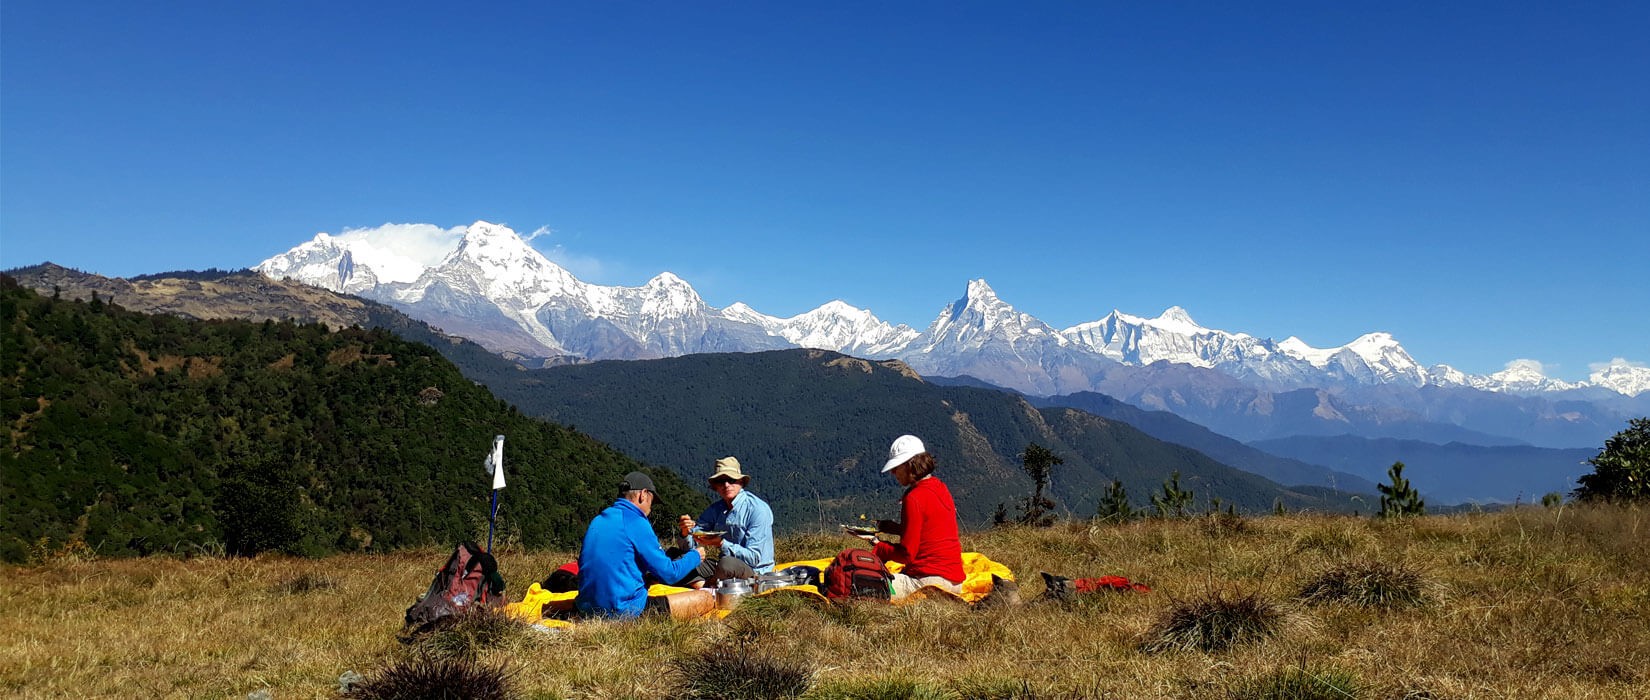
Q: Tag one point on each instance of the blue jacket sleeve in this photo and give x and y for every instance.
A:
(653, 558)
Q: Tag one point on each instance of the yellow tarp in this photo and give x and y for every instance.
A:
(976, 566)
(977, 570)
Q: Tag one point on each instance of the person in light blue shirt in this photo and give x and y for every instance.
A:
(745, 523)
(619, 548)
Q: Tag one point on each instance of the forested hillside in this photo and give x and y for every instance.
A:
(813, 427)
(133, 434)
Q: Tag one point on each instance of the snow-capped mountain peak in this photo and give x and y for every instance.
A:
(979, 315)
(1297, 348)
(1521, 377)
(979, 290)
(486, 281)
(669, 295)
(742, 312)
(835, 325)
(493, 259)
(1622, 376)
(1176, 319)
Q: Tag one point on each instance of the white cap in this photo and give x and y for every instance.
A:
(904, 448)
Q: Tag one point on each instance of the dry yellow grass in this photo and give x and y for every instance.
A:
(1529, 603)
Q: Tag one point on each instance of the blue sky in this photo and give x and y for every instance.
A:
(1471, 177)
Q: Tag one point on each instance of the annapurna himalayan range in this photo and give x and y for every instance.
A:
(497, 290)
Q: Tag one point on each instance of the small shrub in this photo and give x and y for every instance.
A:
(1331, 540)
(1223, 523)
(995, 688)
(1214, 622)
(1300, 683)
(466, 635)
(738, 672)
(1369, 584)
(780, 609)
(890, 688)
(303, 583)
(433, 677)
(859, 613)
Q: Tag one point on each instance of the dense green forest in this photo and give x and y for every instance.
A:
(136, 434)
(813, 428)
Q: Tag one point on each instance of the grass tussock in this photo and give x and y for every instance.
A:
(426, 677)
(888, 688)
(1541, 603)
(467, 635)
(307, 582)
(1336, 538)
(1369, 584)
(1302, 683)
(740, 672)
(1215, 622)
(1224, 524)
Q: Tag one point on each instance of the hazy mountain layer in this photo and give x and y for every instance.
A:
(1451, 473)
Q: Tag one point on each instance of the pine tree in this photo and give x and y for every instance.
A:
(1172, 501)
(1039, 463)
(1399, 498)
(1114, 505)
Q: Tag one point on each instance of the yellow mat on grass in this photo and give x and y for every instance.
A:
(977, 567)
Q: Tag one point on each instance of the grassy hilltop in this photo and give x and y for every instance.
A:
(1523, 603)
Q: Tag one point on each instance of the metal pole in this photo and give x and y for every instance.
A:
(492, 516)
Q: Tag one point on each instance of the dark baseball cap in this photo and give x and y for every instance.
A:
(637, 481)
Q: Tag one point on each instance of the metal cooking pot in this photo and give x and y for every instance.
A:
(768, 582)
(729, 592)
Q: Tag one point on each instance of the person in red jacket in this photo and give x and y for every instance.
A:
(928, 547)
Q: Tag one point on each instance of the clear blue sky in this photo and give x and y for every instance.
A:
(1471, 177)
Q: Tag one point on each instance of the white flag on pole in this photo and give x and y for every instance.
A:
(495, 462)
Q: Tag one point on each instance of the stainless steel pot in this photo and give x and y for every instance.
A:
(731, 591)
(768, 582)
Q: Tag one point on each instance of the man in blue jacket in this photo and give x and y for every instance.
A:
(619, 547)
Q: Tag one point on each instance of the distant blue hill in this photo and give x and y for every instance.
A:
(1451, 473)
(1169, 427)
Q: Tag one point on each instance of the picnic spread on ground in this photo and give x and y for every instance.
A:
(726, 556)
(978, 584)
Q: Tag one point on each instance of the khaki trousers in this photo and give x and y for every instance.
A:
(905, 585)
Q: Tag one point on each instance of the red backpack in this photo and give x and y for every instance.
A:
(470, 579)
(857, 573)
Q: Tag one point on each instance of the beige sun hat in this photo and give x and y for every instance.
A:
(729, 467)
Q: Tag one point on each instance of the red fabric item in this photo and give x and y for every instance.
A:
(929, 546)
(571, 567)
(1109, 583)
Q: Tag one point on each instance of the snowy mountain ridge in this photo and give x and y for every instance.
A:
(484, 281)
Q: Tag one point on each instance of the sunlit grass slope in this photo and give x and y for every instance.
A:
(1526, 603)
